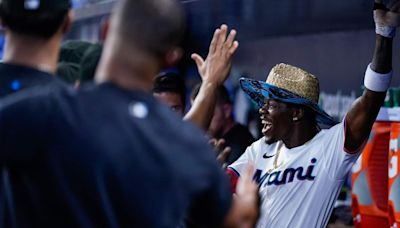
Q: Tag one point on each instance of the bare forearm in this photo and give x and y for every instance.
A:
(213, 71)
(203, 106)
(241, 215)
(382, 59)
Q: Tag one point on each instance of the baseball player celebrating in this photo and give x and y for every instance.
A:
(300, 168)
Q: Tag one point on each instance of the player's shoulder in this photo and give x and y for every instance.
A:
(189, 136)
(36, 99)
(185, 130)
(328, 133)
(142, 109)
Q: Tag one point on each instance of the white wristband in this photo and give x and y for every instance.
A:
(377, 82)
(385, 30)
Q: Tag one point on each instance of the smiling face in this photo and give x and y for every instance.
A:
(276, 118)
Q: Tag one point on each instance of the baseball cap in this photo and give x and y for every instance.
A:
(72, 51)
(89, 62)
(34, 5)
(68, 72)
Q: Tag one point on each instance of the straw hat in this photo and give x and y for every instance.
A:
(288, 84)
(295, 80)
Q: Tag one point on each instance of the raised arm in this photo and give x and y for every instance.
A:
(362, 115)
(213, 71)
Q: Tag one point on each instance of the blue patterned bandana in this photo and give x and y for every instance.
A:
(260, 91)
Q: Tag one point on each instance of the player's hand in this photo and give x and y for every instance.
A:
(389, 18)
(221, 150)
(215, 68)
(248, 198)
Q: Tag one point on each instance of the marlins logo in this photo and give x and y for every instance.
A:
(285, 176)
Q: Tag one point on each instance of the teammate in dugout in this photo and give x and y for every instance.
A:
(31, 50)
(300, 175)
(112, 156)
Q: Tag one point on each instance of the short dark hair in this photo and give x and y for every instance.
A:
(172, 83)
(154, 26)
(222, 96)
(37, 24)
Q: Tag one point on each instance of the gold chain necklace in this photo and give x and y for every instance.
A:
(275, 164)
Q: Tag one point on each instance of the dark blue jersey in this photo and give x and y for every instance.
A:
(105, 157)
(14, 78)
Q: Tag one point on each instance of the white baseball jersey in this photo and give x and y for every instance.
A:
(300, 189)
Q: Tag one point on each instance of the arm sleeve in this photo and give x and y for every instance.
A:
(337, 159)
(239, 166)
